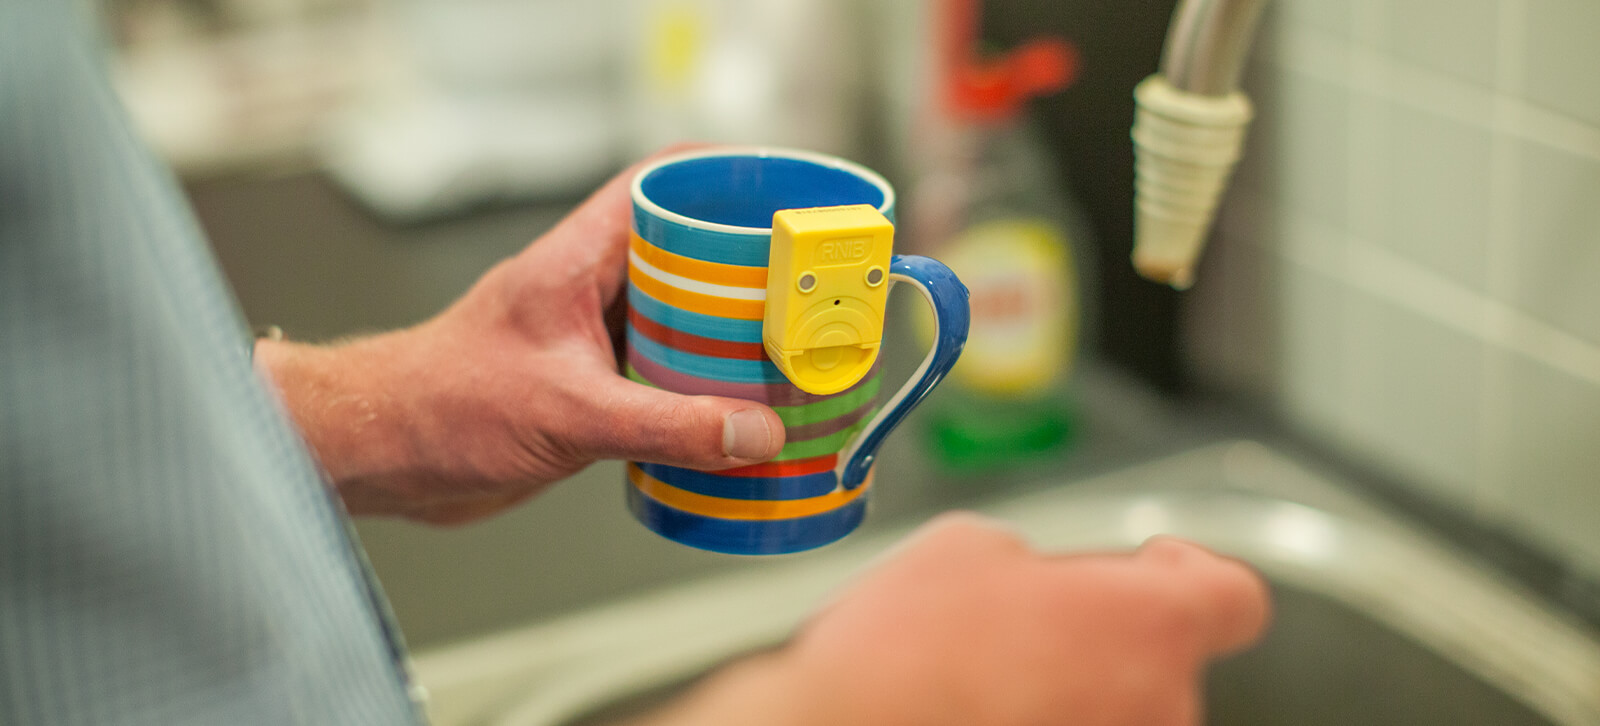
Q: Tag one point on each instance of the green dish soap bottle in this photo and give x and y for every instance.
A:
(986, 202)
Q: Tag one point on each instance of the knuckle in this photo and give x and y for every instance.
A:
(1173, 552)
(673, 426)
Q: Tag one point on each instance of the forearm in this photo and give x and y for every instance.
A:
(513, 387)
(766, 689)
(348, 406)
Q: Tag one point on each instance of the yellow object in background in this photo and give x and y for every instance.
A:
(674, 44)
(827, 288)
(1024, 317)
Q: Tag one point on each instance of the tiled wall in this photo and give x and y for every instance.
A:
(1408, 265)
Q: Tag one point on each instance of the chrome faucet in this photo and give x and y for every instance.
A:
(1188, 133)
(1207, 44)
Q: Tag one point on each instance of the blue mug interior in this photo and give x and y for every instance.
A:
(745, 191)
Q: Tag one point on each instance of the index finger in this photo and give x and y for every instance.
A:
(1232, 597)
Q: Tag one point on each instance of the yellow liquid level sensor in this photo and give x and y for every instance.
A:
(827, 286)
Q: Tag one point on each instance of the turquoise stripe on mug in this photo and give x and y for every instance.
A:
(701, 244)
(705, 326)
(722, 369)
(744, 487)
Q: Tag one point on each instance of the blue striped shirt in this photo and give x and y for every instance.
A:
(169, 553)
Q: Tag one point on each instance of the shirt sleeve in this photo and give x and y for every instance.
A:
(168, 552)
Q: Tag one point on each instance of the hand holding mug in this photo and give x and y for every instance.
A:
(512, 388)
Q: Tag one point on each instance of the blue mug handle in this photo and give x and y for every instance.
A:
(948, 297)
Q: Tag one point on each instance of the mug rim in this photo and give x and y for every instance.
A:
(761, 152)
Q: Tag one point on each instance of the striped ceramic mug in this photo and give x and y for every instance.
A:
(697, 273)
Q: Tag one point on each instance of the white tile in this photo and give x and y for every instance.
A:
(1371, 169)
(1324, 16)
(1415, 392)
(1548, 485)
(1227, 322)
(1248, 210)
(1420, 187)
(1557, 257)
(1562, 55)
(1297, 150)
(1311, 351)
(1254, 173)
(1456, 37)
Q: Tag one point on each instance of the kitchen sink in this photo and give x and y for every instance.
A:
(1377, 620)
(1327, 663)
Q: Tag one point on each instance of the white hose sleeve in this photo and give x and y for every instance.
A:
(1185, 148)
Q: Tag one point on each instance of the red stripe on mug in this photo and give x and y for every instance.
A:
(691, 343)
(796, 467)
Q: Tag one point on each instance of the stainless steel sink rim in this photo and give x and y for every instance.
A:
(1298, 527)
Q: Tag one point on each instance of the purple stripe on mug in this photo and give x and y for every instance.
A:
(818, 429)
(717, 206)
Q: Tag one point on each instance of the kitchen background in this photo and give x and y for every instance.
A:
(1403, 277)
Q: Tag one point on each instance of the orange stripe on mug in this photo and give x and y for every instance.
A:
(748, 509)
(694, 302)
(712, 272)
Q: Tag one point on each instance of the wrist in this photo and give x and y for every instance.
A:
(343, 401)
(771, 689)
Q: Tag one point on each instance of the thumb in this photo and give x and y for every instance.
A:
(640, 423)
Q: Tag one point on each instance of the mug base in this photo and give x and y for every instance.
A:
(746, 536)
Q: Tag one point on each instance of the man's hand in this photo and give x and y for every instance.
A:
(968, 625)
(510, 389)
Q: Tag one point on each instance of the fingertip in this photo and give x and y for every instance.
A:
(1245, 606)
(1173, 552)
(1234, 595)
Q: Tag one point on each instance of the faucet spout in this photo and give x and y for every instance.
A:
(1188, 133)
(1207, 44)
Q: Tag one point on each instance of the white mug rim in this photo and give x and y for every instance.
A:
(764, 152)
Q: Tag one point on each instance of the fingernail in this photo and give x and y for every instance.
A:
(745, 434)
